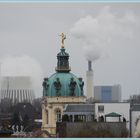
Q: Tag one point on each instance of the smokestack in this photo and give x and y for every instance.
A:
(89, 65)
(90, 85)
(0, 81)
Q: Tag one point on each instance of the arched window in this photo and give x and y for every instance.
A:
(58, 115)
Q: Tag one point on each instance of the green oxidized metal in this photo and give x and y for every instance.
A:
(63, 83)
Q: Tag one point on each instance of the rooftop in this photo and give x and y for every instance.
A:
(136, 107)
(112, 114)
(80, 108)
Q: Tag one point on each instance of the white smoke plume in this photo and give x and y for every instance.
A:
(103, 30)
(23, 66)
(92, 53)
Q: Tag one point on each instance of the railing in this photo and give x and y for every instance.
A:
(62, 68)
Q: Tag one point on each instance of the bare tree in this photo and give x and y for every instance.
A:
(6, 105)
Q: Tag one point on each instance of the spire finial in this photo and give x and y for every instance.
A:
(63, 37)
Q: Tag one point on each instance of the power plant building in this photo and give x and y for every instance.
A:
(17, 88)
(90, 84)
(107, 93)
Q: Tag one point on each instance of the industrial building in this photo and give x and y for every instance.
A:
(90, 85)
(108, 93)
(17, 88)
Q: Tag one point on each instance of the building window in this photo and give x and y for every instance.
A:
(58, 115)
(47, 116)
(100, 108)
(106, 93)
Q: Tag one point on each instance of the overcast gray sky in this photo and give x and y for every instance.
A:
(32, 30)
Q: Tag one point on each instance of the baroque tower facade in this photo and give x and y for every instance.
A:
(61, 88)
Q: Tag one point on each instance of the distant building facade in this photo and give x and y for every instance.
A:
(80, 112)
(18, 89)
(107, 93)
(105, 112)
(95, 119)
(134, 118)
(113, 112)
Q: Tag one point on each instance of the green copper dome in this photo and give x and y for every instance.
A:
(63, 83)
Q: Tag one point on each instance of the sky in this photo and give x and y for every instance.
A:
(106, 33)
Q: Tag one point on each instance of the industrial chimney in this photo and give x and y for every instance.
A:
(90, 86)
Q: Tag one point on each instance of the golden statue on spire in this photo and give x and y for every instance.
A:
(63, 37)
